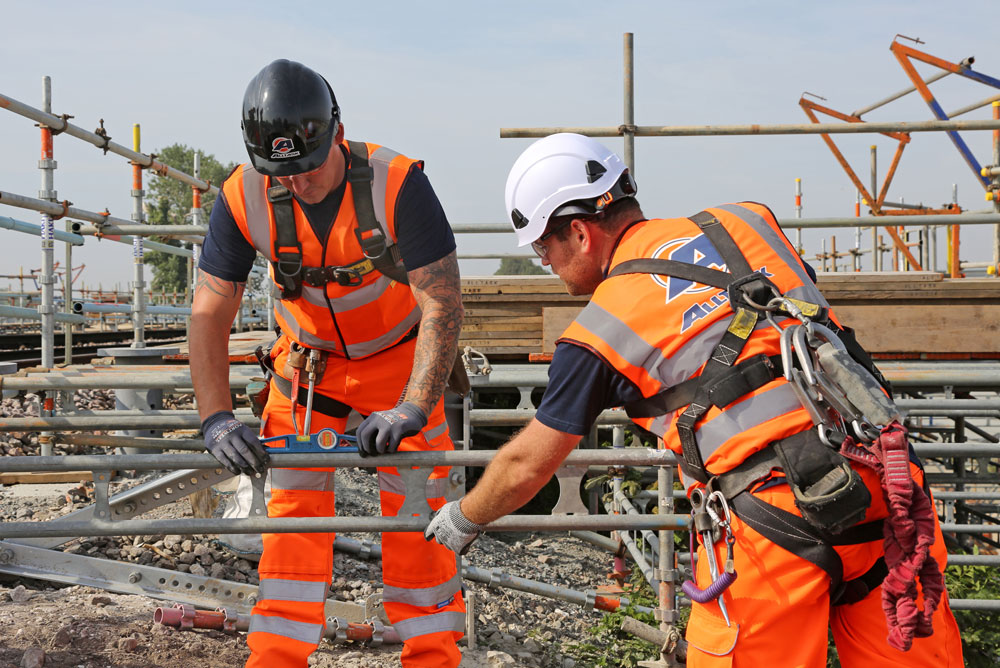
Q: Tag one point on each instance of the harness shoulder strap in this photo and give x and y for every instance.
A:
(385, 257)
(673, 268)
(287, 248)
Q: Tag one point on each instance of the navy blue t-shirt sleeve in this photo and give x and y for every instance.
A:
(422, 229)
(226, 253)
(581, 385)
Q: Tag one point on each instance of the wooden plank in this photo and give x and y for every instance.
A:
(916, 329)
(45, 477)
(555, 320)
(878, 277)
(489, 344)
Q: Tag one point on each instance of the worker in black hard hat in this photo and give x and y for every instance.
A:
(364, 270)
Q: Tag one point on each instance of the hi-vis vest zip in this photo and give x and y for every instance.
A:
(350, 320)
(659, 331)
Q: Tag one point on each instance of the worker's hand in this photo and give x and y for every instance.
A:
(383, 431)
(234, 444)
(452, 528)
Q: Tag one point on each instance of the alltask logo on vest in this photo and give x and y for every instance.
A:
(698, 251)
(282, 147)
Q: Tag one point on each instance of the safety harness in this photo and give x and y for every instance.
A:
(829, 494)
(380, 252)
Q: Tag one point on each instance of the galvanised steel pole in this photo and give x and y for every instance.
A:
(996, 192)
(138, 294)
(628, 131)
(756, 129)
(196, 219)
(876, 252)
(103, 142)
(798, 215)
(47, 279)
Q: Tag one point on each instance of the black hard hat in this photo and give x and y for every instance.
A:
(290, 117)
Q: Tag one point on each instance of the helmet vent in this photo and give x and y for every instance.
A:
(595, 170)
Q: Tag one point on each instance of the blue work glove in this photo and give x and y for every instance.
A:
(234, 444)
(452, 528)
(383, 431)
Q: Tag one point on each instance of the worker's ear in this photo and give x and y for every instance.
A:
(581, 233)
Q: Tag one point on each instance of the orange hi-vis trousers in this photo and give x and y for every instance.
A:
(422, 588)
(779, 606)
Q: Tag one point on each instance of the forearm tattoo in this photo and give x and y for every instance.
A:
(221, 287)
(438, 290)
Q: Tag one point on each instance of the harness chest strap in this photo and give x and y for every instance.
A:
(378, 254)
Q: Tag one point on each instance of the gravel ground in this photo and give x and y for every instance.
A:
(59, 626)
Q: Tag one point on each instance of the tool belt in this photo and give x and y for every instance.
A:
(831, 497)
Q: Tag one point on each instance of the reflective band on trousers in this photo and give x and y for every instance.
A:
(440, 621)
(362, 349)
(302, 591)
(279, 626)
(394, 484)
(314, 481)
(423, 595)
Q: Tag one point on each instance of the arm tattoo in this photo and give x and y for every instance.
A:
(438, 292)
(223, 288)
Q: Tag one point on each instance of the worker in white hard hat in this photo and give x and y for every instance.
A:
(679, 332)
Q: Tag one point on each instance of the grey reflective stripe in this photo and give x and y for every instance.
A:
(394, 484)
(778, 244)
(366, 294)
(255, 202)
(373, 346)
(436, 431)
(315, 481)
(304, 336)
(315, 296)
(423, 595)
(441, 621)
(279, 626)
(292, 590)
(745, 415)
(379, 162)
(622, 339)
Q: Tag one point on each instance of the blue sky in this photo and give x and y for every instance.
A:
(438, 80)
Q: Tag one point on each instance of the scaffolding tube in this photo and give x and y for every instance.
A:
(87, 307)
(36, 230)
(253, 525)
(194, 231)
(895, 96)
(103, 142)
(108, 441)
(755, 129)
(20, 313)
(113, 380)
(496, 578)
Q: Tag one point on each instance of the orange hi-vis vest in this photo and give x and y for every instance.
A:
(356, 320)
(660, 331)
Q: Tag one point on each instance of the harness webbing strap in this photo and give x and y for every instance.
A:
(736, 262)
(673, 268)
(369, 233)
(287, 248)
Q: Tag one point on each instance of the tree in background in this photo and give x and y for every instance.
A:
(519, 266)
(170, 204)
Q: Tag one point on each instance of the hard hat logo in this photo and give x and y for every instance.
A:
(282, 147)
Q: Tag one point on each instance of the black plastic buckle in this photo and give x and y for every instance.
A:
(752, 292)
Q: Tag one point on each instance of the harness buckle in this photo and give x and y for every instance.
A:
(346, 276)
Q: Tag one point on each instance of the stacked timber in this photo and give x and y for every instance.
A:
(905, 314)
(504, 315)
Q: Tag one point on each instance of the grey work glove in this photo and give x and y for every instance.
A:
(383, 431)
(234, 444)
(452, 528)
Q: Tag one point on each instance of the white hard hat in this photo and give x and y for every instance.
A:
(562, 174)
